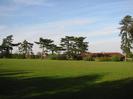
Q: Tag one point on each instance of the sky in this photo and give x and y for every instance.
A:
(98, 20)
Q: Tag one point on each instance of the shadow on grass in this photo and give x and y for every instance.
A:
(83, 87)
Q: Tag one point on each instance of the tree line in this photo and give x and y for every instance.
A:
(70, 47)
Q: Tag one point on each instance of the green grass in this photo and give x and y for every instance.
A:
(49, 79)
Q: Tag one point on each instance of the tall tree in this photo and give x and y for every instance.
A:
(126, 33)
(45, 45)
(52, 48)
(25, 48)
(7, 45)
(1, 51)
(81, 46)
(74, 45)
(66, 44)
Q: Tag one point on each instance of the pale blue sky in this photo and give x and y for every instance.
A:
(98, 20)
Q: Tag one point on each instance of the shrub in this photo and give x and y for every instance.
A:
(77, 57)
(116, 58)
(53, 57)
(102, 59)
(61, 57)
(58, 57)
(18, 56)
(129, 59)
(88, 58)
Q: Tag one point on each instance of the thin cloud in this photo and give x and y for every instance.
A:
(103, 31)
(2, 27)
(52, 27)
(99, 32)
(33, 2)
(14, 5)
(73, 22)
(110, 45)
(5, 10)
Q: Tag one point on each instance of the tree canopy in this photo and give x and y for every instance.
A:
(126, 33)
(74, 45)
(25, 48)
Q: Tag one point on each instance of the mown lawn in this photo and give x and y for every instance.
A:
(49, 79)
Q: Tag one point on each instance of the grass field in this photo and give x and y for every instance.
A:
(48, 79)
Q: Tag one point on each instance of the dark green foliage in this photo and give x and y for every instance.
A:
(74, 46)
(6, 47)
(18, 56)
(77, 57)
(126, 33)
(58, 57)
(62, 57)
(53, 57)
(54, 48)
(44, 44)
(25, 49)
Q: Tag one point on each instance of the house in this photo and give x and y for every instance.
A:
(103, 54)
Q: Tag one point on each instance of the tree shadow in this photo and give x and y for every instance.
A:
(83, 87)
(4, 73)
